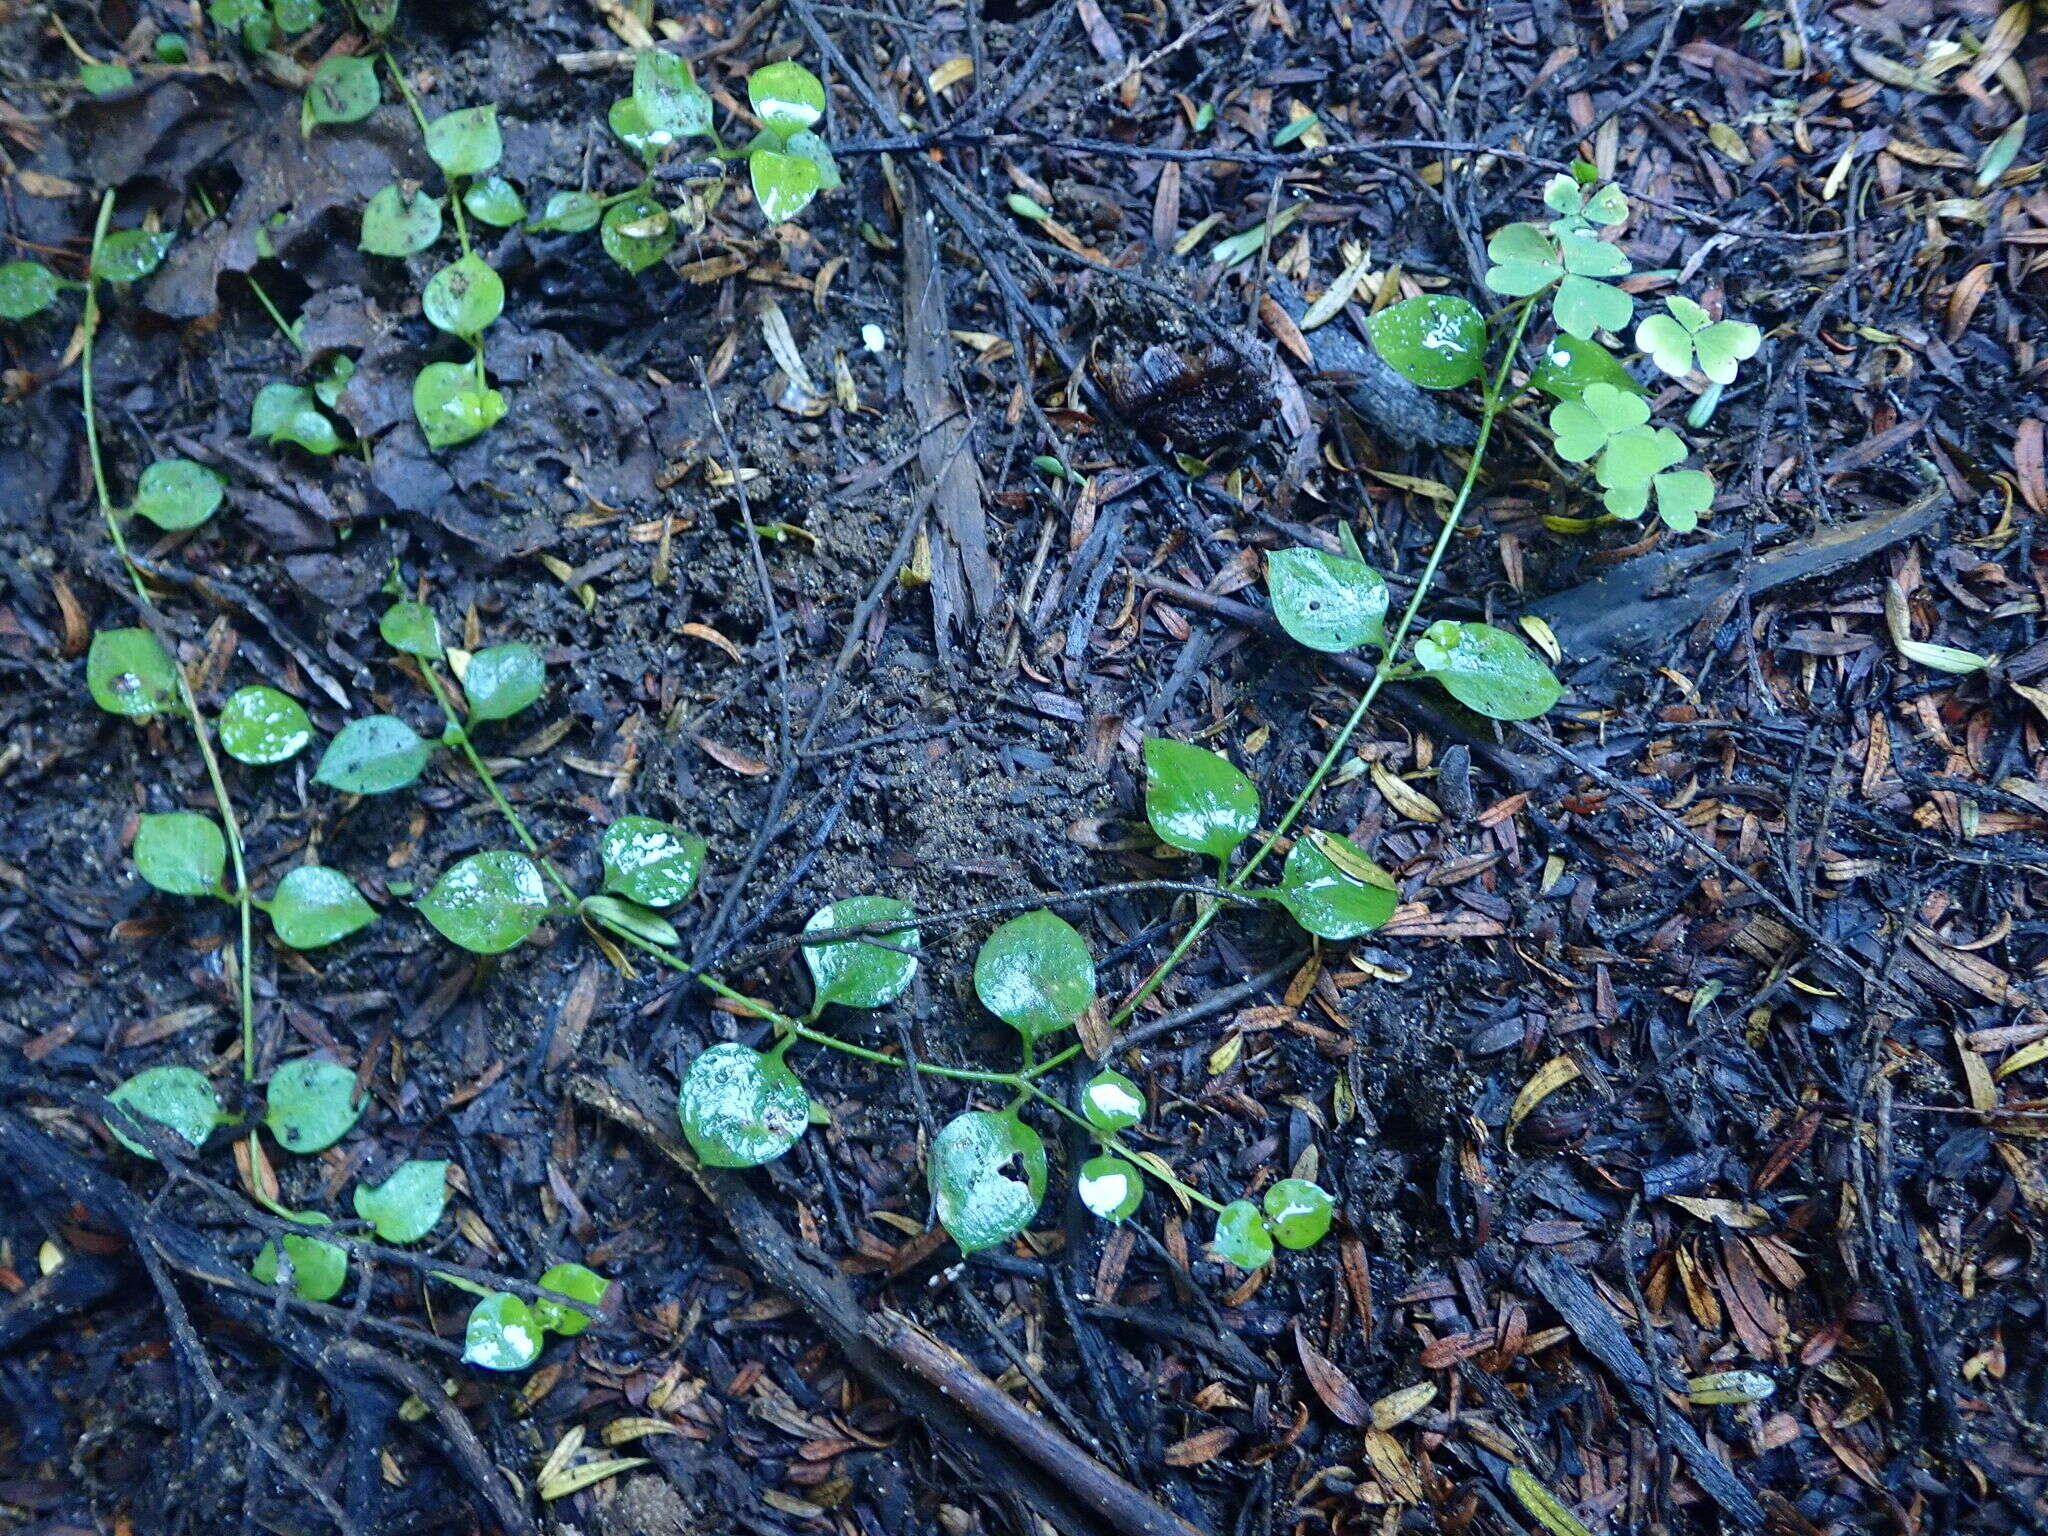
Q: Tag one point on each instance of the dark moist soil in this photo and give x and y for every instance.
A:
(1705, 1038)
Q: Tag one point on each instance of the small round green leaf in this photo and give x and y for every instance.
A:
(1196, 799)
(176, 494)
(1488, 670)
(1112, 1102)
(404, 1208)
(290, 413)
(181, 852)
(671, 104)
(319, 1269)
(261, 726)
(1297, 1213)
(502, 1334)
(26, 288)
(311, 1103)
(808, 146)
(1436, 340)
(741, 1108)
(296, 16)
(130, 255)
(1569, 365)
(987, 1173)
(1241, 1236)
(464, 297)
(1584, 305)
(411, 628)
(400, 221)
(501, 680)
(343, 90)
(786, 97)
(454, 404)
(488, 902)
(372, 756)
(1332, 899)
(178, 1098)
(857, 973)
(129, 672)
(1110, 1187)
(784, 184)
(316, 906)
(1035, 974)
(570, 212)
(576, 1283)
(630, 123)
(465, 143)
(651, 862)
(495, 201)
(105, 79)
(637, 232)
(1327, 602)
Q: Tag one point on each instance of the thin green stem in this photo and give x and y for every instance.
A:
(1109, 1142)
(289, 327)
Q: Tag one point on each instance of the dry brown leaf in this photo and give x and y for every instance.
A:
(1346, 1404)
(728, 757)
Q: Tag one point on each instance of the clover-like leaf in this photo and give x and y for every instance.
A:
(502, 1334)
(1111, 1102)
(464, 297)
(1525, 261)
(1436, 340)
(861, 973)
(404, 1208)
(1196, 799)
(1297, 1213)
(453, 403)
(1241, 1236)
(1584, 305)
(372, 756)
(786, 97)
(487, 902)
(319, 1269)
(1585, 255)
(1333, 889)
(784, 184)
(465, 143)
(1110, 1187)
(178, 1098)
(651, 862)
(1327, 602)
(672, 105)
(177, 494)
(1487, 670)
(289, 413)
(26, 288)
(261, 726)
(1632, 457)
(1689, 336)
(501, 680)
(1583, 427)
(343, 89)
(316, 906)
(130, 255)
(808, 146)
(495, 201)
(1569, 365)
(181, 852)
(987, 1173)
(740, 1107)
(576, 1283)
(400, 221)
(311, 1103)
(1035, 974)
(637, 232)
(1682, 496)
(128, 672)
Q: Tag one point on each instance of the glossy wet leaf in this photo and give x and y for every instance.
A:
(181, 852)
(464, 297)
(1110, 1187)
(1525, 261)
(1569, 365)
(1241, 1236)
(1584, 305)
(343, 90)
(1297, 1213)
(1112, 1102)
(261, 726)
(311, 1103)
(637, 232)
(670, 102)
(177, 1098)
(1035, 974)
(1334, 889)
(372, 756)
(578, 1284)
(289, 413)
(784, 184)
(987, 1173)
(26, 288)
(295, 16)
(412, 628)
(740, 1107)
(570, 212)
(857, 973)
(1326, 601)
(1436, 340)
(316, 906)
(808, 146)
(128, 672)
(130, 255)
(488, 902)
(454, 403)
(630, 917)
(1689, 336)
(404, 1208)
(319, 1269)
(629, 122)
(1583, 427)
(465, 143)
(651, 862)
(786, 97)
(1488, 670)
(1196, 799)
(105, 78)
(176, 494)
(400, 222)
(495, 201)
(501, 680)
(502, 1334)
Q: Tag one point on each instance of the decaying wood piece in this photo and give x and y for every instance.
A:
(950, 1395)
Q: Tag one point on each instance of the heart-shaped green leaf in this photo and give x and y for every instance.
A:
(465, 143)
(1110, 1187)
(576, 1283)
(786, 97)
(637, 232)
(1525, 261)
(1035, 974)
(130, 255)
(464, 297)
(316, 906)
(261, 726)
(177, 494)
(1569, 365)
(289, 413)
(412, 628)
(1488, 670)
(26, 288)
(1112, 1102)
(670, 102)
(859, 973)
(1632, 457)
(311, 1103)
(400, 221)
(651, 862)
(343, 90)
(177, 1098)
(572, 213)
(1326, 601)
(488, 902)
(181, 852)
(454, 404)
(502, 1334)
(495, 201)
(1436, 340)
(987, 1173)
(404, 1208)
(1241, 1236)
(784, 184)
(1602, 412)
(1588, 256)
(1297, 1213)
(501, 680)
(1584, 305)
(319, 1269)
(1196, 800)
(741, 1108)
(1333, 889)
(372, 756)
(1682, 496)
(128, 672)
